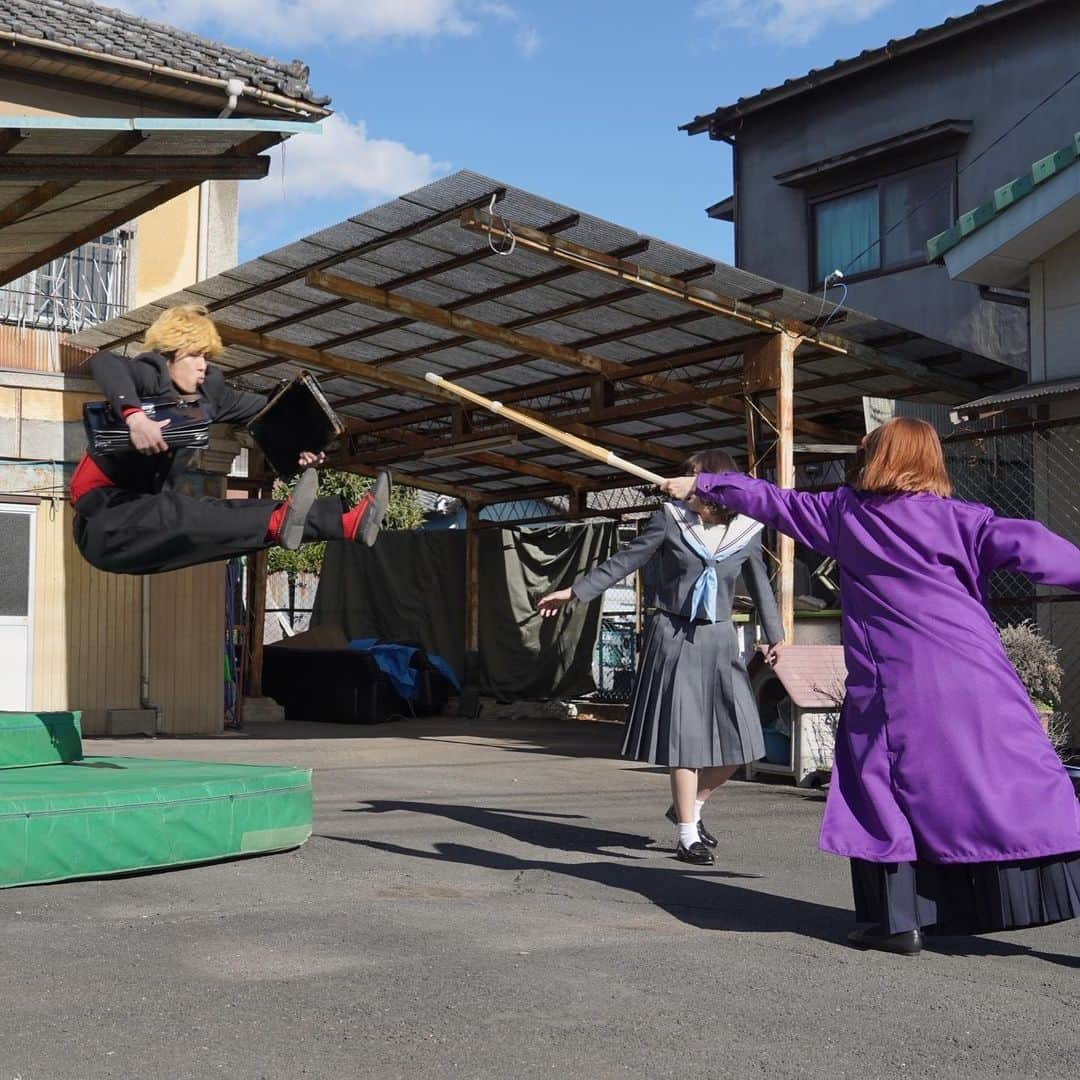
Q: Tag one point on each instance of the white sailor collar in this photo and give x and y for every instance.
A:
(741, 530)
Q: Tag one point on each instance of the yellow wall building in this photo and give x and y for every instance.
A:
(72, 637)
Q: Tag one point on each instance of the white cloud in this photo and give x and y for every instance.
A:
(285, 23)
(794, 22)
(341, 162)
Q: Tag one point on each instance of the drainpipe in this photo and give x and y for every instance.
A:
(144, 657)
(234, 88)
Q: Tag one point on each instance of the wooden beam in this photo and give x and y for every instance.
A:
(357, 369)
(11, 137)
(500, 335)
(709, 300)
(400, 282)
(120, 217)
(415, 445)
(13, 211)
(662, 362)
(159, 168)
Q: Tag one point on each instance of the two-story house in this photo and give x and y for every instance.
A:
(855, 166)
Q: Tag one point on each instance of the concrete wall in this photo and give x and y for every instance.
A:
(1055, 312)
(989, 78)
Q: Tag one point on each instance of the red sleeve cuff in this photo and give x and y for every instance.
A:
(129, 410)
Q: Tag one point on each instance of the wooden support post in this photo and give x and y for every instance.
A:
(472, 594)
(785, 474)
(770, 368)
(256, 593)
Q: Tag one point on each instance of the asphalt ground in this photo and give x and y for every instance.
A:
(500, 900)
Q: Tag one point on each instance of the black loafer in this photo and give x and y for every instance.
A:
(909, 943)
(697, 853)
(706, 836)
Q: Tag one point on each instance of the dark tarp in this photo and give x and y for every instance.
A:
(411, 587)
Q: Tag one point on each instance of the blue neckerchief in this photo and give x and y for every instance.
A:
(741, 531)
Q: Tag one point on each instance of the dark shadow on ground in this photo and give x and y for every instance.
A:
(693, 896)
(554, 831)
(988, 946)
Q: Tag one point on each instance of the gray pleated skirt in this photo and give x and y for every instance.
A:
(692, 705)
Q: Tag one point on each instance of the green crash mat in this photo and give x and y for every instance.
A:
(103, 815)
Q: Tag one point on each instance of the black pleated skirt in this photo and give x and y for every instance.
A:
(966, 898)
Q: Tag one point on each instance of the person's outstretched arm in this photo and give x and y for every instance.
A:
(623, 563)
(1028, 548)
(807, 516)
(757, 581)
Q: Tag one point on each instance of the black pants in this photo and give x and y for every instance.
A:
(967, 898)
(123, 532)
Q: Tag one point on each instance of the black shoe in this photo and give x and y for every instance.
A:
(706, 836)
(374, 514)
(909, 943)
(297, 508)
(697, 853)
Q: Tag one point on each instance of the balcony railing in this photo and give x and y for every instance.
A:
(85, 287)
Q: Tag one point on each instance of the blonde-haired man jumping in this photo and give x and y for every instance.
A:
(128, 517)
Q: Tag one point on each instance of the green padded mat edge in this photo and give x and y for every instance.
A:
(48, 738)
(187, 813)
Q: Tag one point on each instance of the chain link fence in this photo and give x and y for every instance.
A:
(1028, 471)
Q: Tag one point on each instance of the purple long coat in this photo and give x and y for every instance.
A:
(939, 753)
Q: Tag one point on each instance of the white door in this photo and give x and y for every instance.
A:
(16, 604)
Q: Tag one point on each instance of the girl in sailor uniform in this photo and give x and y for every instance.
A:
(692, 707)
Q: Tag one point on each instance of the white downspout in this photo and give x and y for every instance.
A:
(234, 88)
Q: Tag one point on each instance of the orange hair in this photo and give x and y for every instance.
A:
(904, 455)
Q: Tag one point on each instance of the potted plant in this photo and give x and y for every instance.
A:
(1036, 662)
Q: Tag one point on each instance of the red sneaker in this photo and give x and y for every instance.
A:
(365, 519)
(287, 523)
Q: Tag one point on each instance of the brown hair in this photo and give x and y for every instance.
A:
(904, 455)
(184, 329)
(709, 461)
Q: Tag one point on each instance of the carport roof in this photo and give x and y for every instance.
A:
(622, 338)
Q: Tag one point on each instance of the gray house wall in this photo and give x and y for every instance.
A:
(989, 78)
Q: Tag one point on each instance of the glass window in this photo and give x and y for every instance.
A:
(15, 560)
(885, 225)
(846, 230)
(917, 205)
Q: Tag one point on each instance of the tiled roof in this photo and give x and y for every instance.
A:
(96, 29)
(723, 118)
(1005, 196)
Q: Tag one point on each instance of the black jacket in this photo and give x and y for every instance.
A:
(126, 382)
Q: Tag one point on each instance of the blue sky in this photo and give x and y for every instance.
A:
(577, 101)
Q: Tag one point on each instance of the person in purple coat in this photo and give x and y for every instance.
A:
(946, 795)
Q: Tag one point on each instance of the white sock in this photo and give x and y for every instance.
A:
(698, 804)
(687, 834)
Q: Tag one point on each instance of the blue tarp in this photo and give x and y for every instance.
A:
(395, 662)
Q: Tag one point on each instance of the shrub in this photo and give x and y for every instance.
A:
(1035, 661)
(404, 512)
